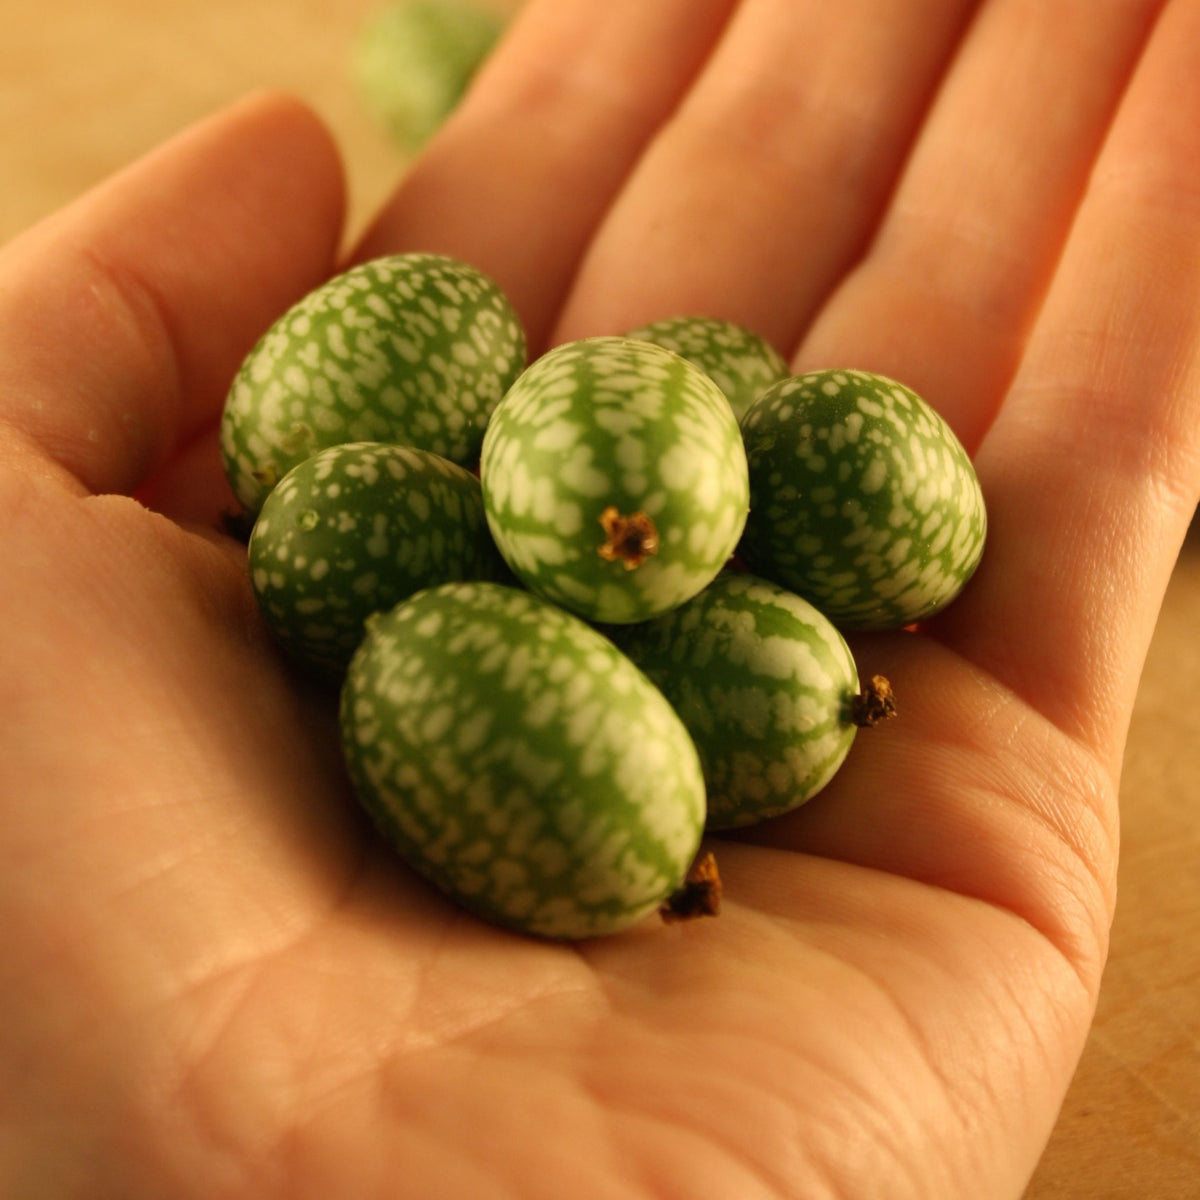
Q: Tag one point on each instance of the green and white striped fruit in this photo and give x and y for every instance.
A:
(766, 686)
(861, 499)
(742, 364)
(414, 59)
(614, 478)
(519, 761)
(355, 529)
(415, 349)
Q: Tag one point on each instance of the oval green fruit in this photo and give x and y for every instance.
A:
(415, 349)
(414, 59)
(519, 761)
(742, 364)
(352, 531)
(766, 686)
(862, 499)
(614, 478)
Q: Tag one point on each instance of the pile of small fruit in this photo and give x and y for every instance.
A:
(581, 610)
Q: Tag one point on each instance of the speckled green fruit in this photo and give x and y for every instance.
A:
(614, 478)
(414, 59)
(415, 349)
(861, 499)
(766, 687)
(519, 761)
(355, 529)
(742, 364)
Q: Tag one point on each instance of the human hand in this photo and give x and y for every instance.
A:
(217, 982)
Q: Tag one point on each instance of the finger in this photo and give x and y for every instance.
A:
(193, 489)
(519, 176)
(123, 318)
(947, 292)
(766, 185)
(1092, 469)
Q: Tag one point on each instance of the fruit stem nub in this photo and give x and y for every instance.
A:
(875, 703)
(629, 540)
(700, 895)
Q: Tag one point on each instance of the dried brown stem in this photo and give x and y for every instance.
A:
(700, 895)
(628, 540)
(875, 703)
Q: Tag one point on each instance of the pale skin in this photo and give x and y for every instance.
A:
(217, 982)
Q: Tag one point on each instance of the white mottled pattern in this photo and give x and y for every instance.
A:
(379, 353)
(741, 363)
(355, 529)
(521, 762)
(614, 422)
(878, 529)
(763, 682)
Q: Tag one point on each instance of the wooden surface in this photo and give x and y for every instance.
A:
(85, 87)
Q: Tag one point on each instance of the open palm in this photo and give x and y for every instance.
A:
(216, 981)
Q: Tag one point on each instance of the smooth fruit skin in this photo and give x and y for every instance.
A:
(764, 683)
(352, 531)
(618, 426)
(742, 364)
(519, 761)
(414, 59)
(862, 500)
(415, 349)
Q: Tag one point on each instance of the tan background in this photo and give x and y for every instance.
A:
(87, 86)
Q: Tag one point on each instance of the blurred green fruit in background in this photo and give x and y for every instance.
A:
(414, 59)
